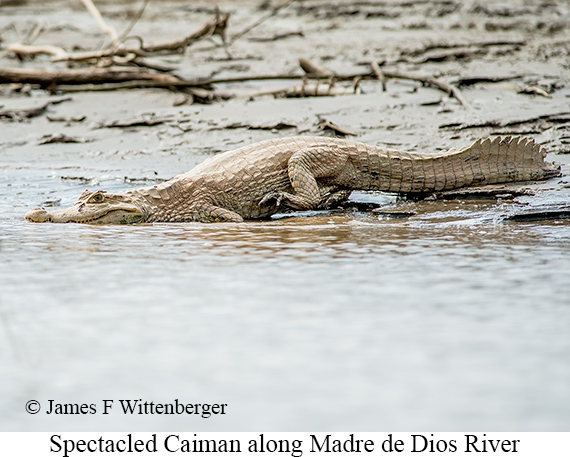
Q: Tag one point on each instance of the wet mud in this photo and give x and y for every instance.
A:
(445, 312)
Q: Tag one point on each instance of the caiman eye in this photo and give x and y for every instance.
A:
(97, 198)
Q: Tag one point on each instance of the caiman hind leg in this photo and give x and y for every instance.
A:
(304, 168)
(333, 198)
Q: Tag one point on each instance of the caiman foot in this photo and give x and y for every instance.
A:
(334, 200)
(273, 198)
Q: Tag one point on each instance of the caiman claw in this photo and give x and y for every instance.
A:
(272, 198)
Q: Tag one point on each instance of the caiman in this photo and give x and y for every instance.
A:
(304, 173)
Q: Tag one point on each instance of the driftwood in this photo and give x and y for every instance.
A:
(22, 50)
(534, 90)
(147, 79)
(382, 74)
(541, 214)
(215, 26)
(80, 76)
(474, 193)
(312, 89)
(123, 78)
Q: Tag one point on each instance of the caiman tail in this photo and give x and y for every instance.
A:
(486, 161)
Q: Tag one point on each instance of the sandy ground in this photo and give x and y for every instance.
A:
(528, 45)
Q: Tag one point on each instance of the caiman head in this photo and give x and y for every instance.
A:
(97, 207)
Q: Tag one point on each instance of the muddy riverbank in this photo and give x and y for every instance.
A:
(448, 318)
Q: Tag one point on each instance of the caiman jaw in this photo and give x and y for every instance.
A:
(92, 208)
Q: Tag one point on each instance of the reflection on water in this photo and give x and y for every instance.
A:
(448, 320)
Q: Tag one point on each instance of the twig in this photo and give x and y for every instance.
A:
(100, 21)
(379, 74)
(248, 29)
(479, 44)
(311, 69)
(534, 91)
(278, 36)
(214, 26)
(34, 33)
(133, 22)
(472, 80)
(318, 89)
(325, 124)
(23, 49)
(451, 90)
(387, 73)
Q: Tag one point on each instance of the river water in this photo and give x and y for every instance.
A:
(448, 320)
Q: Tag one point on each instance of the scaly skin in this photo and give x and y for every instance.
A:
(304, 173)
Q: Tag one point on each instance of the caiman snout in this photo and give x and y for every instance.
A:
(38, 215)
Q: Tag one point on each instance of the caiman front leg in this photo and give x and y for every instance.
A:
(212, 213)
(304, 168)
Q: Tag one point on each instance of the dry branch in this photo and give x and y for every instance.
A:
(314, 70)
(249, 28)
(121, 78)
(34, 33)
(379, 74)
(325, 124)
(100, 21)
(92, 75)
(214, 26)
(21, 49)
(133, 21)
(316, 89)
(451, 90)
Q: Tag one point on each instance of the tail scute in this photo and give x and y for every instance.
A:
(509, 158)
